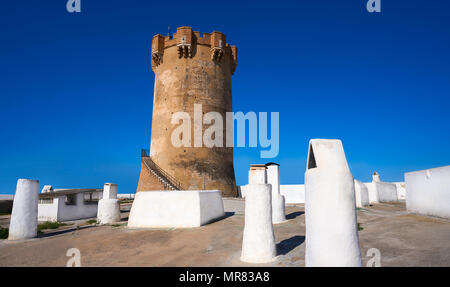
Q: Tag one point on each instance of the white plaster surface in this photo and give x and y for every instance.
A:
(387, 192)
(293, 193)
(257, 175)
(189, 208)
(428, 192)
(110, 191)
(23, 224)
(382, 192)
(373, 194)
(60, 211)
(49, 211)
(258, 243)
(278, 202)
(242, 191)
(401, 190)
(361, 194)
(108, 211)
(74, 212)
(125, 195)
(109, 206)
(330, 207)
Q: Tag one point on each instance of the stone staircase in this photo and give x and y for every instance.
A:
(161, 175)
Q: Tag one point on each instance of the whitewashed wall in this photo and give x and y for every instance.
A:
(401, 190)
(381, 192)
(361, 194)
(126, 195)
(6, 196)
(49, 211)
(59, 211)
(78, 211)
(293, 193)
(387, 192)
(175, 209)
(428, 192)
(372, 191)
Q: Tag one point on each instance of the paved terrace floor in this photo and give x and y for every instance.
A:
(403, 240)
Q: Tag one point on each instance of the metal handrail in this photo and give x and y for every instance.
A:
(144, 153)
(169, 178)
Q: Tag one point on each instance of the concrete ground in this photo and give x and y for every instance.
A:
(403, 240)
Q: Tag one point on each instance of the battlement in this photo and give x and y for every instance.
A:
(186, 40)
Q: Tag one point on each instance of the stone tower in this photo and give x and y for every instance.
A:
(189, 69)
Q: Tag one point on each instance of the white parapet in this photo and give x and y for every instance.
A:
(278, 202)
(125, 195)
(373, 194)
(428, 192)
(67, 207)
(293, 193)
(108, 207)
(382, 192)
(330, 208)
(48, 208)
(361, 194)
(23, 224)
(186, 208)
(401, 190)
(387, 192)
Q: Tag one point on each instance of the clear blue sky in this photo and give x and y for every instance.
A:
(76, 89)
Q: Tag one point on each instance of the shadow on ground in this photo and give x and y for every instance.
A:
(59, 232)
(294, 214)
(287, 245)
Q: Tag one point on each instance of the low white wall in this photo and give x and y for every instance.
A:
(60, 211)
(175, 208)
(293, 193)
(125, 195)
(401, 190)
(428, 192)
(49, 211)
(361, 194)
(6, 197)
(387, 192)
(372, 191)
(381, 192)
(78, 211)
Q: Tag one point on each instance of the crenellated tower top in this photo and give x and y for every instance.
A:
(186, 42)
